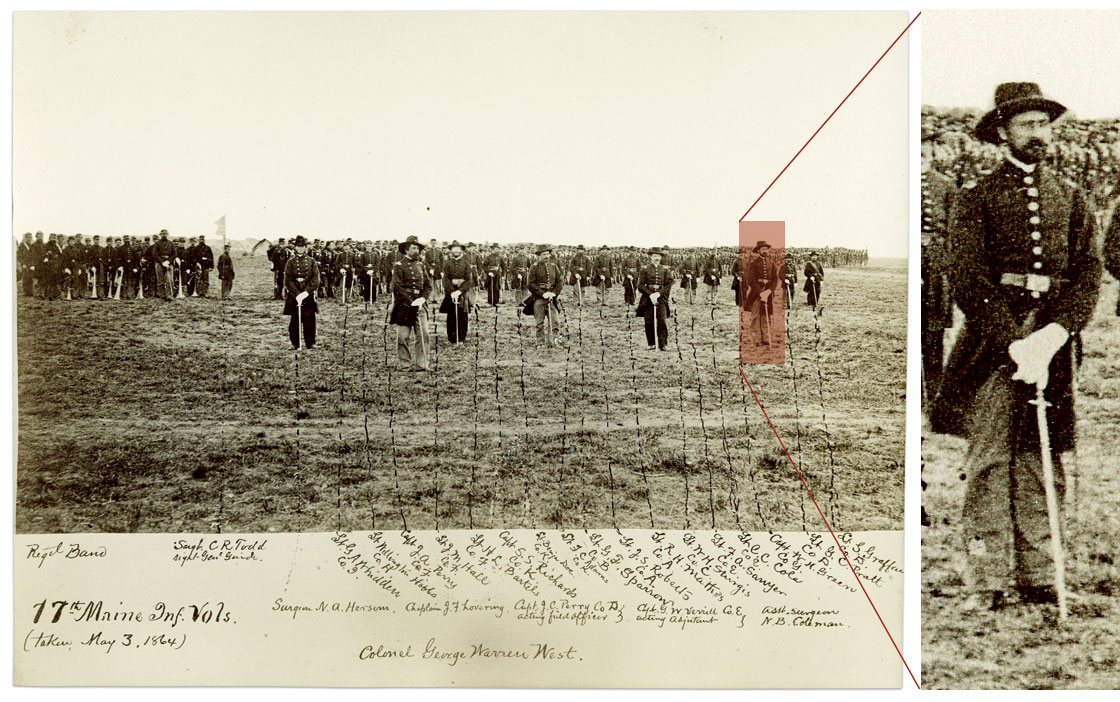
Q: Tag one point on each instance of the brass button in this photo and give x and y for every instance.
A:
(1036, 294)
(1033, 192)
(1036, 236)
(1037, 251)
(1036, 219)
(1029, 180)
(1037, 265)
(1033, 207)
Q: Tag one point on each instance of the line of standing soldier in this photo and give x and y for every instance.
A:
(125, 267)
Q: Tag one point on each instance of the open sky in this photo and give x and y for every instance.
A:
(1072, 55)
(658, 128)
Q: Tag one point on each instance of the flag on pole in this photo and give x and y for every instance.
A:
(222, 229)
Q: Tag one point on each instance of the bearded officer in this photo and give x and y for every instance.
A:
(654, 284)
(411, 290)
(761, 280)
(545, 284)
(1026, 274)
(301, 280)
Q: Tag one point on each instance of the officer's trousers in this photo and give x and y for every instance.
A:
(1005, 525)
(307, 321)
(412, 343)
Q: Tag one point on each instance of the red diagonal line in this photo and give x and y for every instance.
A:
(830, 116)
(842, 551)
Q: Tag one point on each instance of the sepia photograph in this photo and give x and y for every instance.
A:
(394, 277)
(1020, 345)
(468, 349)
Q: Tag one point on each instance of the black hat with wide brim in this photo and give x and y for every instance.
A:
(761, 244)
(1013, 99)
(403, 246)
(655, 250)
(542, 248)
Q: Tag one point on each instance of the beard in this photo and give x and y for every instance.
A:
(1032, 151)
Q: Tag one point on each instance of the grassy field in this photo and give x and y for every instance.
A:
(1023, 647)
(195, 416)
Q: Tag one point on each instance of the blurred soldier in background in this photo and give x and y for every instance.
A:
(630, 268)
(578, 270)
(1112, 250)
(519, 275)
(433, 262)
(602, 273)
(712, 276)
(225, 272)
(790, 281)
(278, 255)
(814, 277)
(493, 268)
(25, 260)
(938, 192)
(204, 263)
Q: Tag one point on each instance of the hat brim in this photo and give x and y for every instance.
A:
(987, 129)
(402, 247)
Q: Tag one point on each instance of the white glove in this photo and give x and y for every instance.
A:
(491, 275)
(120, 268)
(134, 270)
(456, 295)
(301, 297)
(690, 276)
(342, 268)
(177, 261)
(764, 295)
(418, 301)
(655, 297)
(1033, 354)
(602, 277)
(67, 271)
(629, 277)
(166, 264)
(549, 295)
(579, 277)
(32, 267)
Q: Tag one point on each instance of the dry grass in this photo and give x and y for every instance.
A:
(146, 416)
(1023, 647)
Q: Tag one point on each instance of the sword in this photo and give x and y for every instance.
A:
(299, 325)
(1056, 550)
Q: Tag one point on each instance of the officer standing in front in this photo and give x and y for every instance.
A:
(301, 280)
(411, 290)
(654, 283)
(1026, 274)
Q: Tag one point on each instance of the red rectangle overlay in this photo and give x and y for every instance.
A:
(761, 293)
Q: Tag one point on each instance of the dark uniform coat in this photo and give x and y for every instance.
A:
(544, 277)
(995, 231)
(456, 270)
(653, 279)
(301, 274)
(410, 281)
(604, 266)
